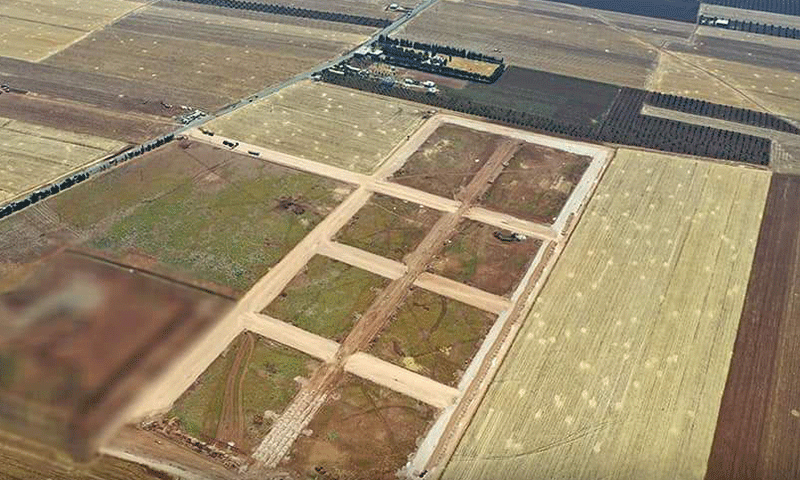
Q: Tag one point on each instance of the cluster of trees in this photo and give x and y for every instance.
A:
(786, 7)
(434, 49)
(626, 125)
(68, 182)
(297, 12)
(722, 112)
(753, 27)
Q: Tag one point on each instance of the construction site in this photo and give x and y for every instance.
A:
(328, 241)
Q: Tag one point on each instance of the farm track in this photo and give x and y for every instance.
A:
(231, 421)
(758, 429)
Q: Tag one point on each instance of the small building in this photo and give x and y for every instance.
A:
(429, 84)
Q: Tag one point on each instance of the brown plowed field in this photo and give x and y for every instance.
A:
(758, 430)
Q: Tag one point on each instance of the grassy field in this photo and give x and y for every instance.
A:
(362, 432)
(729, 83)
(327, 297)
(536, 183)
(388, 227)
(574, 44)
(621, 363)
(258, 384)
(448, 160)
(193, 211)
(34, 154)
(433, 336)
(207, 59)
(475, 257)
(34, 29)
(325, 123)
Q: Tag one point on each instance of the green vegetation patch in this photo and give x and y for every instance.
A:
(388, 227)
(434, 336)
(200, 212)
(476, 257)
(327, 297)
(258, 388)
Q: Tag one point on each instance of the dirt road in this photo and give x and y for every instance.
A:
(231, 421)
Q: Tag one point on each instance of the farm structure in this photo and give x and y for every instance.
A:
(81, 337)
(34, 154)
(309, 284)
(640, 313)
(533, 35)
(36, 29)
(324, 123)
(761, 392)
(165, 56)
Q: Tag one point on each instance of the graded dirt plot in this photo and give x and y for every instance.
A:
(448, 160)
(34, 29)
(621, 363)
(34, 154)
(204, 60)
(363, 431)
(730, 83)
(476, 257)
(758, 433)
(332, 125)
(433, 336)
(206, 216)
(241, 394)
(81, 337)
(536, 183)
(327, 297)
(388, 227)
(570, 43)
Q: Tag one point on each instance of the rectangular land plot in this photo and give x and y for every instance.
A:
(388, 227)
(476, 256)
(526, 35)
(448, 160)
(327, 298)
(201, 214)
(362, 431)
(34, 154)
(536, 183)
(328, 124)
(758, 433)
(80, 338)
(433, 336)
(205, 60)
(621, 363)
(240, 395)
(35, 29)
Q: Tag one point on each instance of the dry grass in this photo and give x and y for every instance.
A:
(619, 369)
(35, 29)
(722, 81)
(325, 123)
(33, 154)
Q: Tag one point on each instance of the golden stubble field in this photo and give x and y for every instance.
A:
(329, 124)
(35, 29)
(729, 83)
(619, 368)
(33, 154)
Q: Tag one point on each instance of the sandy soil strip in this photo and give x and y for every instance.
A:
(507, 222)
(364, 260)
(407, 193)
(463, 293)
(401, 380)
(291, 336)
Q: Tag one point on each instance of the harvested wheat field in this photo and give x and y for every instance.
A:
(333, 125)
(35, 29)
(203, 59)
(34, 154)
(619, 368)
(729, 83)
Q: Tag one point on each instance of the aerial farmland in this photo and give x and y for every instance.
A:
(361, 239)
